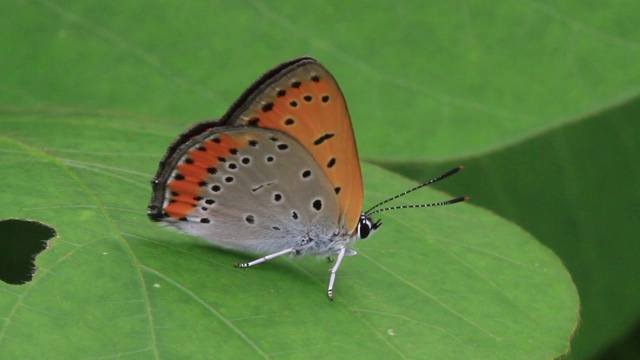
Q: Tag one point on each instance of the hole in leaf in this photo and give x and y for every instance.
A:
(20, 242)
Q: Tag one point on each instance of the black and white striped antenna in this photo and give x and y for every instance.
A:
(372, 210)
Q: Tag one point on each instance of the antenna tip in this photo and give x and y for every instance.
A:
(465, 198)
(460, 167)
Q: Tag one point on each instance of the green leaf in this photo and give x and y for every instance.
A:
(575, 189)
(442, 282)
(92, 93)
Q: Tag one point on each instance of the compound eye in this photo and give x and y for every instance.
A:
(364, 227)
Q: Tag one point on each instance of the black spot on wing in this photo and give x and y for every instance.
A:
(323, 138)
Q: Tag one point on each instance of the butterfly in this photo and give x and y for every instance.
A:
(277, 175)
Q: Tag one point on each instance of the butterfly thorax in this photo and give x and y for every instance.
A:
(324, 244)
(327, 245)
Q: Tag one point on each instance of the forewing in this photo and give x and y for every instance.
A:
(302, 99)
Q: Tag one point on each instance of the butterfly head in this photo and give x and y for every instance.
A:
(366, 226)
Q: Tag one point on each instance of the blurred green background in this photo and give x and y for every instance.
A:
(539, 101)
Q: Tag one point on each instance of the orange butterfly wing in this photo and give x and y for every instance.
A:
(302, 99)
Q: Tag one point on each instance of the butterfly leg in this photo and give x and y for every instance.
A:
(266, 258)
(334, 270)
